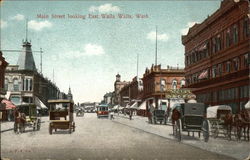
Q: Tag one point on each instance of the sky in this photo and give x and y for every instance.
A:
(86, 52)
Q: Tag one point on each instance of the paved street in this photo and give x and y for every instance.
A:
(96, 139)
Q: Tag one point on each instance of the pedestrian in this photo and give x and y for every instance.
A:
(111, 115)
(130, 114)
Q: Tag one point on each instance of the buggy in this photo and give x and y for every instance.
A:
(26, 116)
(190, 117)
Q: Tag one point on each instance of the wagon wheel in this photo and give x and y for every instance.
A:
(215, 129)
(205, 130)
(50, 129)
(178, 130)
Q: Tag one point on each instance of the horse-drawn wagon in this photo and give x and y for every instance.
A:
(220, 120)
(61, 115)
(190, 117)
(26, 115)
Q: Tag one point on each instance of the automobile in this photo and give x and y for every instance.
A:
(102, 111)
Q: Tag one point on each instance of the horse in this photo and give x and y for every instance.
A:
(20, 121)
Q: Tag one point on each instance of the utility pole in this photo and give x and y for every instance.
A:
(156, 47)
(41, 60)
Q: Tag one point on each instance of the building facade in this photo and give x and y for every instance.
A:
(3, 65)
(118, 85)
(217, 56)
(25, 85)
(156, 81)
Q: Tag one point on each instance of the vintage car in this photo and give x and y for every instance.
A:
(102, 110)
(61, 115)
(190, 117)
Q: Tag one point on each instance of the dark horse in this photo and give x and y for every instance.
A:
(20, 120)
(244, 123)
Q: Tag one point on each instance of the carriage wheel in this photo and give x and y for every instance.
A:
(215, 129)
(205, 130)
(178, 130)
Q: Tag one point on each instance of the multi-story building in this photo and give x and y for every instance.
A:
(217, 56)
(25, 85)
(118, 85)
(3, 65)
(156, 81)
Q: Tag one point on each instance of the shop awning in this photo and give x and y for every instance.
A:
(39, 103)
(9, 104)
(247, 105)
(134, 105)
(203, 75)
(143, 105)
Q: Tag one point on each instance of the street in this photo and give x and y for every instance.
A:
(96, 139)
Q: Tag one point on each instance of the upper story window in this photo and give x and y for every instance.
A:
(218, 43)
(213, 45)
(236, 64)
(27, 84)
(228, 39)
(246, 60)
(174, 84)
(214, 71)
(235, 34)
(182, 83)
(16, 85)
(163, 85)
(228, 66)
(246, 28)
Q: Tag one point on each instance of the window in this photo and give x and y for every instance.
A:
(6, 84)
(214, 71)
(26, 85)
(16, 85)
(218, 43)
(182, 83)
(246, 30)
(163, 85)
(30, 85)
(213, 45)
(219, 69)
(174, 84)
(228, 40)
(228, 66)
(235, 34)
(16, 100)
(246, 58)
(236, 64)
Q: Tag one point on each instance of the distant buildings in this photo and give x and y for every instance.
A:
(217, 56)
(118, 85)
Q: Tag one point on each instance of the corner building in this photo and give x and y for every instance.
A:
(217, 56)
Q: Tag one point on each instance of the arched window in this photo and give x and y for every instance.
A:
(182, 83)
(163, 85)
(16, 85)
(174, 84)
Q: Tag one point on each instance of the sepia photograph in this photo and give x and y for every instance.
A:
(124, 80)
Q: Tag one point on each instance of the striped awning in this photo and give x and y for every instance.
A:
(9, 104)
(203, 74)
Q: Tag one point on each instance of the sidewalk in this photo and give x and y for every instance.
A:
(238, 150)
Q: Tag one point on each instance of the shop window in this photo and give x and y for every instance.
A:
(219, 69)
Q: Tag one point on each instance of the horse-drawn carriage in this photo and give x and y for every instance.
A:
(60, 109)
(190, 117)
(220, 120)
(26, 115)
(157, 115)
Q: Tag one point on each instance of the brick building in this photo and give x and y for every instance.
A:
(156, 81)
(3, 65)
(217, 56)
